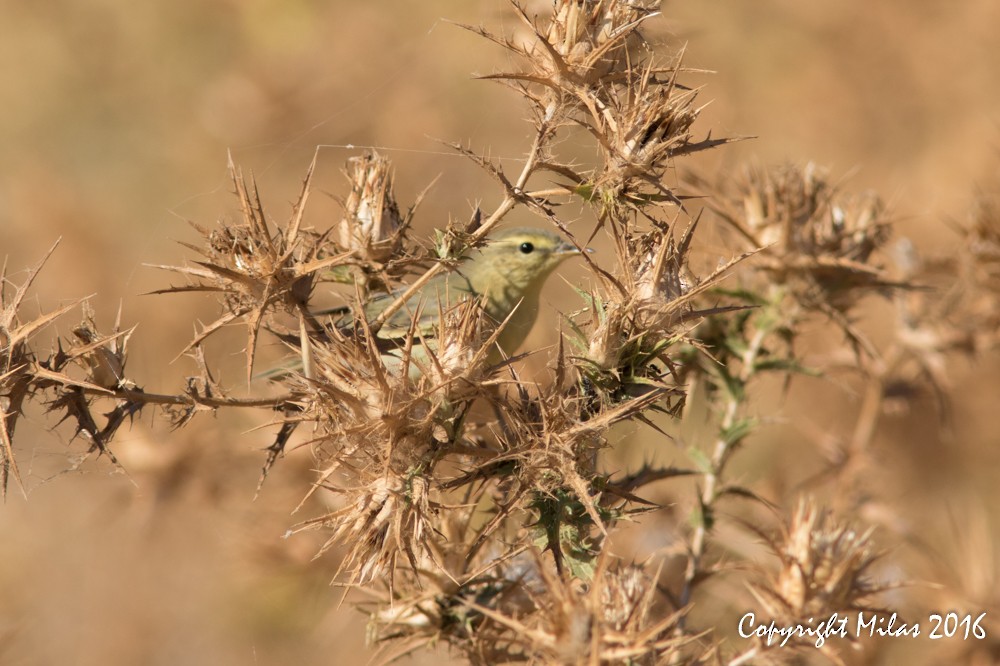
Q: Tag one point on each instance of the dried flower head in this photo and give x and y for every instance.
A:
(584, 67)
(824, 568)
(591, 38)
(817, 241)
(372, 227)
(103, 357)
(17, 362)
(25, 374)
(977, 312)
(982, 240)
(640, 128)
(577, 49)
(612, 619)
(257, 269)
(384, 418)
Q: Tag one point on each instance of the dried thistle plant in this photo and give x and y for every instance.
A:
(256, 269)
(825, 570)
(383, 430)
(816, 252)
(824, 567)
(819, 242)
(524, 611)
(372, 226)
(982, 241)
(403, 454)
(27, 376)
(473, 507)
(948, 311)
(429, 495)
(17, 376)
(588, 66)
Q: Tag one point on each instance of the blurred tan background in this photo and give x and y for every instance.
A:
(115, 122)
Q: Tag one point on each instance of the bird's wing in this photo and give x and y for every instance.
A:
(440, 294)
(421, 311)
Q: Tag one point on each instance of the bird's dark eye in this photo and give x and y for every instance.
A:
(527, 248)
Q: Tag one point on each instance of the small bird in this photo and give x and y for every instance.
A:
(507, 275)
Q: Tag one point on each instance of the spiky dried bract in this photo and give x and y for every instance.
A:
(825, 567)
(639, 129)
(819, 242)
(372, 227)
(587, 66)
(465, 341)
(384, 419)
(607, 621)
(80, 378)
(649, 301)
(17, 362)
(974, 320)
(257, 269)
(523, 611)
(982, 239)
(633, 328)
(25, 374)
(592, 38)
(103, 357)
(580, 47)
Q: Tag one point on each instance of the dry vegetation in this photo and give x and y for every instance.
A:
(474, 507)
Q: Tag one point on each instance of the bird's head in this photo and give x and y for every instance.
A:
(518, 258)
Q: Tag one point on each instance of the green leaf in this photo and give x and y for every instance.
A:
(581, 568)
(593, 301)
(744, 295)
(340, 274)
(736, 344)
(586, 191)
(735, 433)
(703, 515)
(744, 493)
(701, 461)
(789, 365)
(735, 387)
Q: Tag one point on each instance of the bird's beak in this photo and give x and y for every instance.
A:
(570, 249)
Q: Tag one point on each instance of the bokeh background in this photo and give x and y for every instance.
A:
(115, 123)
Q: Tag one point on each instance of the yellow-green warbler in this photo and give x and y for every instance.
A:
(507, 275)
